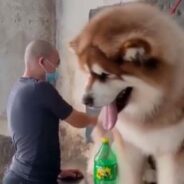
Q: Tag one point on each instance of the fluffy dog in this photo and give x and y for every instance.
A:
(134, 55)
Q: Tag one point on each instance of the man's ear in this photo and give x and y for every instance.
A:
(41, 60)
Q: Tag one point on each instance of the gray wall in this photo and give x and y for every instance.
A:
(166, 6)
(20, 22)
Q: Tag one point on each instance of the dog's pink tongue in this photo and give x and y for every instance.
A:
(108, 116)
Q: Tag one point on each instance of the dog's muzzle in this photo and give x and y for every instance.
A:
(88, 100)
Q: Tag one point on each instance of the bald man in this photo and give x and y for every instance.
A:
(34, 110)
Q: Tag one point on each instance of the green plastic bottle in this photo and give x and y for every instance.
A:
(105, 165)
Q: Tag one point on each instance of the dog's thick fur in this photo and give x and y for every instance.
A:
(138, 46)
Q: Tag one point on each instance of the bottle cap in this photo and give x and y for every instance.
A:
(105, 140)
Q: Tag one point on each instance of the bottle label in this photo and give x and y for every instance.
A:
(106, 173)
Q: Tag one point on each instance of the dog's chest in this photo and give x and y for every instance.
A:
(155, 141)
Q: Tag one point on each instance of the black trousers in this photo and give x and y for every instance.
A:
(12, 178)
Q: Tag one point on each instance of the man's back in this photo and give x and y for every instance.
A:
(34, 109)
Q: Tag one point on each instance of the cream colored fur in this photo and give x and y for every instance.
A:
(152, 123)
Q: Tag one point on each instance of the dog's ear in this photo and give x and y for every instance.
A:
(74, 45)
(138, 51)
(135, 49)
(80, 43)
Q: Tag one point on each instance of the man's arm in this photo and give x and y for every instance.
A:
(52, 100)
(80, 119)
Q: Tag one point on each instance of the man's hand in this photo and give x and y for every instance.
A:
(80, 120)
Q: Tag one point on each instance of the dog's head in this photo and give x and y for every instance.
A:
(128, 53)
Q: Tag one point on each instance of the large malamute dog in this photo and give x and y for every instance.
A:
(137, 52)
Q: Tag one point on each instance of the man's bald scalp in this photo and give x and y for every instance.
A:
(36, 49)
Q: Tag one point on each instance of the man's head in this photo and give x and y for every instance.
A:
(40, 58)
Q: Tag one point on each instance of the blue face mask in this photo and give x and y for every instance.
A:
(52, 77)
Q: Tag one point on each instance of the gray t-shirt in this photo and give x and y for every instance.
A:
(34, 109)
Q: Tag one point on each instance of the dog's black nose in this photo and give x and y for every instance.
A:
(88, 100)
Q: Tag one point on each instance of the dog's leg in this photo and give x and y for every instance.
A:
(130, 162)
(170, 168)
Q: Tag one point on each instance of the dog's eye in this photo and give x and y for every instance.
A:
(102, 77)
(151, 63)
